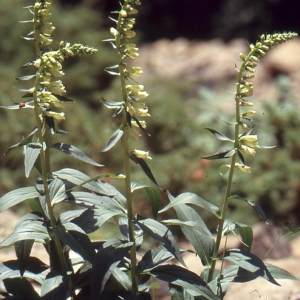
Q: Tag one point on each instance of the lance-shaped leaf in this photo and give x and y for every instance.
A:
(162, 234)
(35, 269)
(219, 135)
(21, 105)
(153, 194)
(75, 152)
(241, 158)
(249, 262)
(24, 142)
(220, 155)
(105, 261)
(26, 77)
(153, 258)
(31, 151)
(279, 273)
(113, 140)
(191, 282)
(111, 104)
(23, 249)
(144, 166)
(74, 237)
(57, 190)
(55, 286)
(190, 198)
(196, 232)
(16, 196)
(29, 227)
(245, 231)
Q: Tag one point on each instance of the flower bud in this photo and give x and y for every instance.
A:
(141, 154)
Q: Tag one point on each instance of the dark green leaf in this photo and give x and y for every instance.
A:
(153, 258)
(190, 198)
(122, 278)
(144, 166)
(16, 196)
(75, 152)
(76, 240)
(162, 234)
(55, 287)
(220, 155)
(199, 235)
(105, 261)
(258, 209)
(23, 249)
(241, 158)
(219, 135)
(20, 286)
(113, 140)
(249, 262)
(24, 142)
(35, 269)
(190, 281)
(29, 227)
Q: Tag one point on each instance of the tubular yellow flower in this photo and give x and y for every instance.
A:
(248, 150)
(244, 169)
(141, 154)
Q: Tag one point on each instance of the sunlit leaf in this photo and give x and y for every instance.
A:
(116, 136)
(31, 151)
(75, 152)
(23, 249)
(190, 198)
(55, 286)
(16, 196)
(220, 155)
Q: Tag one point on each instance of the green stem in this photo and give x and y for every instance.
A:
(128, 193)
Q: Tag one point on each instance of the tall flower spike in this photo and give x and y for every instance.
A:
(246, 142)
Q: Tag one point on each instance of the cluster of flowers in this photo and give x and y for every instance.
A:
(247, 142)
(47, 90)
(133, 94)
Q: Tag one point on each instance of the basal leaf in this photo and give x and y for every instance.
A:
(16, 196)
(31, 151)
(162, 234)
(219, 135)
(113, 140)
(75, 152)
(105, 261)
(190, 198)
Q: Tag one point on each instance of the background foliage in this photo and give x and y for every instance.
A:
(177, 145)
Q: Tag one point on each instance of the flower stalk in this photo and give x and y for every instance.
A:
(244, 142)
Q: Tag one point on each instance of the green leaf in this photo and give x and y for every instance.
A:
(77, 240)
(199, 235)
(245, 231)
(153, 258)
(162, 234)
(106, 260)
(279, 273)
(258, 209)
(75, 152)
(219, 135)
(31, 151)
(57, 190)
(113, 140)
(24, 142)
(16, 196)
(249, 262)
(220, 155)
(20, 286)
(55, 286)
(139, 161)
(179, 276)
(29, 227)
(190, 198)
(23, 249)
(35, 269)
